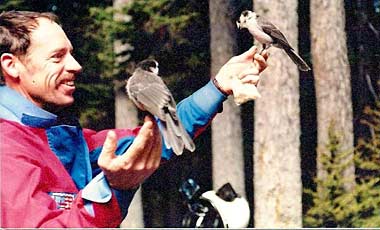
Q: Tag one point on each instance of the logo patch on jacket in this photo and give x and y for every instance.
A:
(63, 200)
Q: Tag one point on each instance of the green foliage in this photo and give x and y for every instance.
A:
(334, 206)
(173, 32)
(99, 107)
(99, 36)
(176, 34)
(171, 14)
(11, 4)
(92, 34)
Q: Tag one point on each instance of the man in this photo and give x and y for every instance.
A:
(53, 172)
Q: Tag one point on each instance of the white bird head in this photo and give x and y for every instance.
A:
(150, 65)
(244, 18)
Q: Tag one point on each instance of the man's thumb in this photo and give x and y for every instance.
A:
(109, 148)
(249, 54)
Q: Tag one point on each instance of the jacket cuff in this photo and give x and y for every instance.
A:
(99, 191)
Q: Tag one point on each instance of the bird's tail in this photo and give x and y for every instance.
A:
(297, 60)
(175, 135)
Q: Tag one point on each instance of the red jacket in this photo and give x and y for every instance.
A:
(49, 175)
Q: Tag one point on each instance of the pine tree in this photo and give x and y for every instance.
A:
(334, 206)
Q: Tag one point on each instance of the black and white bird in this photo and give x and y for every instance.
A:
(149, 93)
(268, 34)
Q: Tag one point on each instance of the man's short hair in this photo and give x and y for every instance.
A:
(15, 30)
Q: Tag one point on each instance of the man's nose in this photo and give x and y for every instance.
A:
(73, 65)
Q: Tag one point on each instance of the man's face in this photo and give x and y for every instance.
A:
(47, 71)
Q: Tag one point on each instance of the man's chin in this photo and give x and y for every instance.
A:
(59, 105)
(66, 103)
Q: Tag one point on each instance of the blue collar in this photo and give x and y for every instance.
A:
(15, 107)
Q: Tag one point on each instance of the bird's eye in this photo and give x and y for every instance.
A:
(245, 13)
(238, 21)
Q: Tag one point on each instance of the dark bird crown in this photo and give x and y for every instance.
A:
(147, 64)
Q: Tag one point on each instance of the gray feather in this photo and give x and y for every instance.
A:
(277, 36)
(297, 60)
(174, 137)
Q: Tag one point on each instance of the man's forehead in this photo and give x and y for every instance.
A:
(49, 34)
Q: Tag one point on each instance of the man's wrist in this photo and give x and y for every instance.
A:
(217, 85)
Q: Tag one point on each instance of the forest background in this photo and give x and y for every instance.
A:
(306, 154)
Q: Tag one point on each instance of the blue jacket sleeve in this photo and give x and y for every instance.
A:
(197, 111)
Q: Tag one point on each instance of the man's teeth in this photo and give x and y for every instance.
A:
(69, 83)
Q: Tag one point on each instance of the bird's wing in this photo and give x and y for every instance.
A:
(275, 33)
(149, 92)
(148, 89)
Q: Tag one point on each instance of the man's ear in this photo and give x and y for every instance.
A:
(8, 65)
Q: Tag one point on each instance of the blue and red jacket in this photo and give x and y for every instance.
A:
(49, 171)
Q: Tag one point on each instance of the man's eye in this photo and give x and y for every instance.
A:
(57, 57)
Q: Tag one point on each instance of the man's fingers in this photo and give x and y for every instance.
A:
(265, 54)
(247, 55)
(152, 155)
(149, 143)
(248, 71)
(108, 150)
(252, 79)
(155, 155)
(259, 58)
(142, 142)
(260, 61)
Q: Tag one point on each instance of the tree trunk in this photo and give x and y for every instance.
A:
(277, 170)
(227, 144)
(332, 79)
(126, 116)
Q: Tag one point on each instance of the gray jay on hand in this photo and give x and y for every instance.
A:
(268, 34)
(149, 93)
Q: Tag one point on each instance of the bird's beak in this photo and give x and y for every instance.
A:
(238, 24)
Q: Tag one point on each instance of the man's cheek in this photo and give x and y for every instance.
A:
(52, 73)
